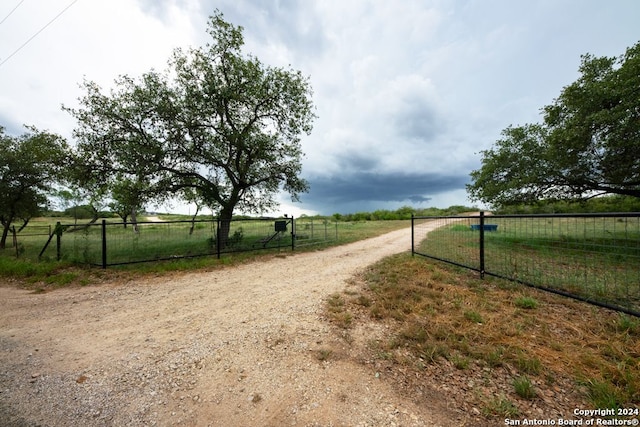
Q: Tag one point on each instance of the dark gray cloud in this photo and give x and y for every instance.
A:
(331, 193)
(353, 160)
(418, 119)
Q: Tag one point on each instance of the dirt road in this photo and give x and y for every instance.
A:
(240, 346)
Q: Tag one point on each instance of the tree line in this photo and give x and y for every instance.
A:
(403, 213)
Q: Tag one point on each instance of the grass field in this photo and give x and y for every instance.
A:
(504, 348)
(443, 320)
(595, 258)
(171, 242)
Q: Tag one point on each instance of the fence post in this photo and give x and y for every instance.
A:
(293, 234)
(218, 237)
(58, 240)
(104, 243)
(412, 238)
(482, 244)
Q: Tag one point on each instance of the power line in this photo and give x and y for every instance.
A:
(12, 10)
(38, 32)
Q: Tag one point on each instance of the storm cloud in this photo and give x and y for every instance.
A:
(406, 93)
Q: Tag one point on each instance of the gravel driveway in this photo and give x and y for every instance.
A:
(238, 346)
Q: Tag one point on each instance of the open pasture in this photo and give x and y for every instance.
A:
(593, 257)
(162, 239)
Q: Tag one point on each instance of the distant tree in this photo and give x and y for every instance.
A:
(219, 122)
(588, 144)
(128, 197)
(29, 165)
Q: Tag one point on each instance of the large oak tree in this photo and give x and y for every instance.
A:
(218, 124)
(587, 145)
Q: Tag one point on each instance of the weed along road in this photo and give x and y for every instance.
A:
(236, 346)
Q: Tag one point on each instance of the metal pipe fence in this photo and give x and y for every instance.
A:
(590, 257)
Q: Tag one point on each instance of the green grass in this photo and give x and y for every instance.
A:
(441, 315)
(526, 302)
(172, 242)
(524, 387)
(500, 406)
(596, 258)
(160, 241)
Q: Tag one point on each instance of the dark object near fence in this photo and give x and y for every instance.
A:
(485, 227)
(280, 227)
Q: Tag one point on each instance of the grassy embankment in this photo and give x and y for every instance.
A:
(444, 318)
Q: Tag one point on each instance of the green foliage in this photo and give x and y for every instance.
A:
(79, 212)
(51, 272)
(218, 126)
(603, 394)
(628, 324)
(526, 302)
(29, 165)
(500, 406)
(473, 316)
(524, 387)
(403, 213)
(610, 203)
(588, 143)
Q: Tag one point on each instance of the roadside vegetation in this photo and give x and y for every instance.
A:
(20, 263)
(20, 266)
(499, 349)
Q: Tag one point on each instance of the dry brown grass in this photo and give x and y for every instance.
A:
(447, 323)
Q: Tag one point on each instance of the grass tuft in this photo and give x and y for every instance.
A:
(524, 387)
(500, 406)
(473, 316)
(338, 313)
(525, 302)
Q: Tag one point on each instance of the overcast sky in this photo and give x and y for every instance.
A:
(407, 92)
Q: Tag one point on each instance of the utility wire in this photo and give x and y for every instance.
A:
(12, 10)
(39, 31)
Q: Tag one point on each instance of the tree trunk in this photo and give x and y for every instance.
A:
(225, 226)
(124, 217)
(134, 220)
(193, 220)
(5, 233)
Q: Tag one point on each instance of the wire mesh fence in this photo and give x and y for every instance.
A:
(312, 231)
(22, 239)
(115, 243)
(592, 257)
